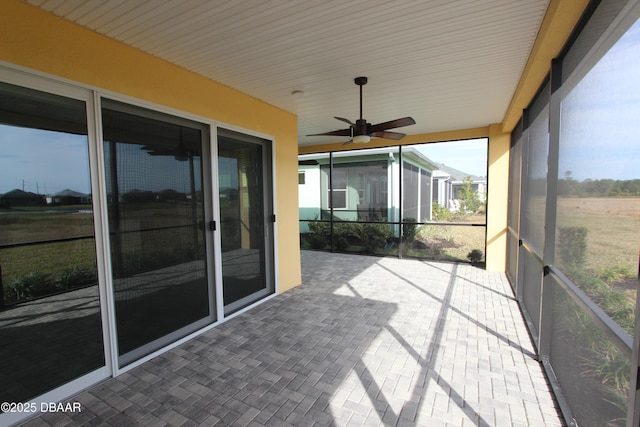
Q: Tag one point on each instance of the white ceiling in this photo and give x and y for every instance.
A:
(450, 64)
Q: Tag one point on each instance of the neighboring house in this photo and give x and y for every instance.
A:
(21, 198)
(69, 197)
(365, 186)
(442, 193)
(450, 181)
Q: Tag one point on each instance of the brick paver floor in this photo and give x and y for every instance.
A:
(364, 341)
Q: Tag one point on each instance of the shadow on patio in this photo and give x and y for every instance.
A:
(364, 341)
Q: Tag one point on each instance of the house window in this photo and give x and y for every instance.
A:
(338, 192)
(301, 177)
(362, 188)
(425, 195)
(410, 190)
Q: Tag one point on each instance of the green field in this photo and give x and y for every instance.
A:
(57, 265)
(613, 225)
(38, 224)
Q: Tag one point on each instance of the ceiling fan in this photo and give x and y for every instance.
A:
(362, 132)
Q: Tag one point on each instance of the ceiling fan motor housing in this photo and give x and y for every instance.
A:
(362, 127)
(360, 81)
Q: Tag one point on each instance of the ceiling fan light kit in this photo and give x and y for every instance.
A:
(361, 131)
(361, 139)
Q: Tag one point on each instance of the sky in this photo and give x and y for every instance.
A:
(43, 162)
(468, 156)
(600, 123)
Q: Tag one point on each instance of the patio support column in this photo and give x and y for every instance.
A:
(497, 198)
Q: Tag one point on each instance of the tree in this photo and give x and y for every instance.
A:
(469, 199)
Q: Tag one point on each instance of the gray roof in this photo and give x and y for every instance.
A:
(69, 193)
(457, 175)
(19, 194)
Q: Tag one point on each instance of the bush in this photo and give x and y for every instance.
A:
(341, 243)
(375, 236)
(346, 230)
(409, 228)
(428, 233)
(613, 301)
(317, 242)
(614, 274)
(27, 286)
(469, 198)
(320, 228)
(441, 213)
(475, 256)
(572, 246)
(74, 277)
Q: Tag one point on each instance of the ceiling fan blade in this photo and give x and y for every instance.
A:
(345, 120)
(397, 123)
(388, 135)
(341, 132)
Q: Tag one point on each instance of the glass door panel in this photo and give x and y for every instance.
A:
(50, 318)
(245, 223)
(156, 203)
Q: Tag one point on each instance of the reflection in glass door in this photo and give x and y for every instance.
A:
(50, 317)
(244, 179)
(157, 204)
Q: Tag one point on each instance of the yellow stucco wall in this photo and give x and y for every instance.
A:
(497, 198)
(32, 38)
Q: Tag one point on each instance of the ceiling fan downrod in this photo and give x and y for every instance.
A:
(361, 124)
(361, 81)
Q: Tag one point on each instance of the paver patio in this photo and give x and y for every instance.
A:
(363, 341)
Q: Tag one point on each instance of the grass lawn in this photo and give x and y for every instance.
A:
(53, 260)
(613, 224)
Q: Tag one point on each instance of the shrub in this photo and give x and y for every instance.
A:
(409, 227)
(346, 230)
(341, 243)
(374, 236)
(469, 199)
(475, 256)
(441, 213)
(26, 286)
(74, 277)
(428, 233)
(614, 274)
(613, 301)
(317, 242)
(572, 246)
(320, 228)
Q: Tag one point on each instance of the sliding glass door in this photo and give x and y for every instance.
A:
(246, 221)
(114, 243)
(50, 313)
(158, 202)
